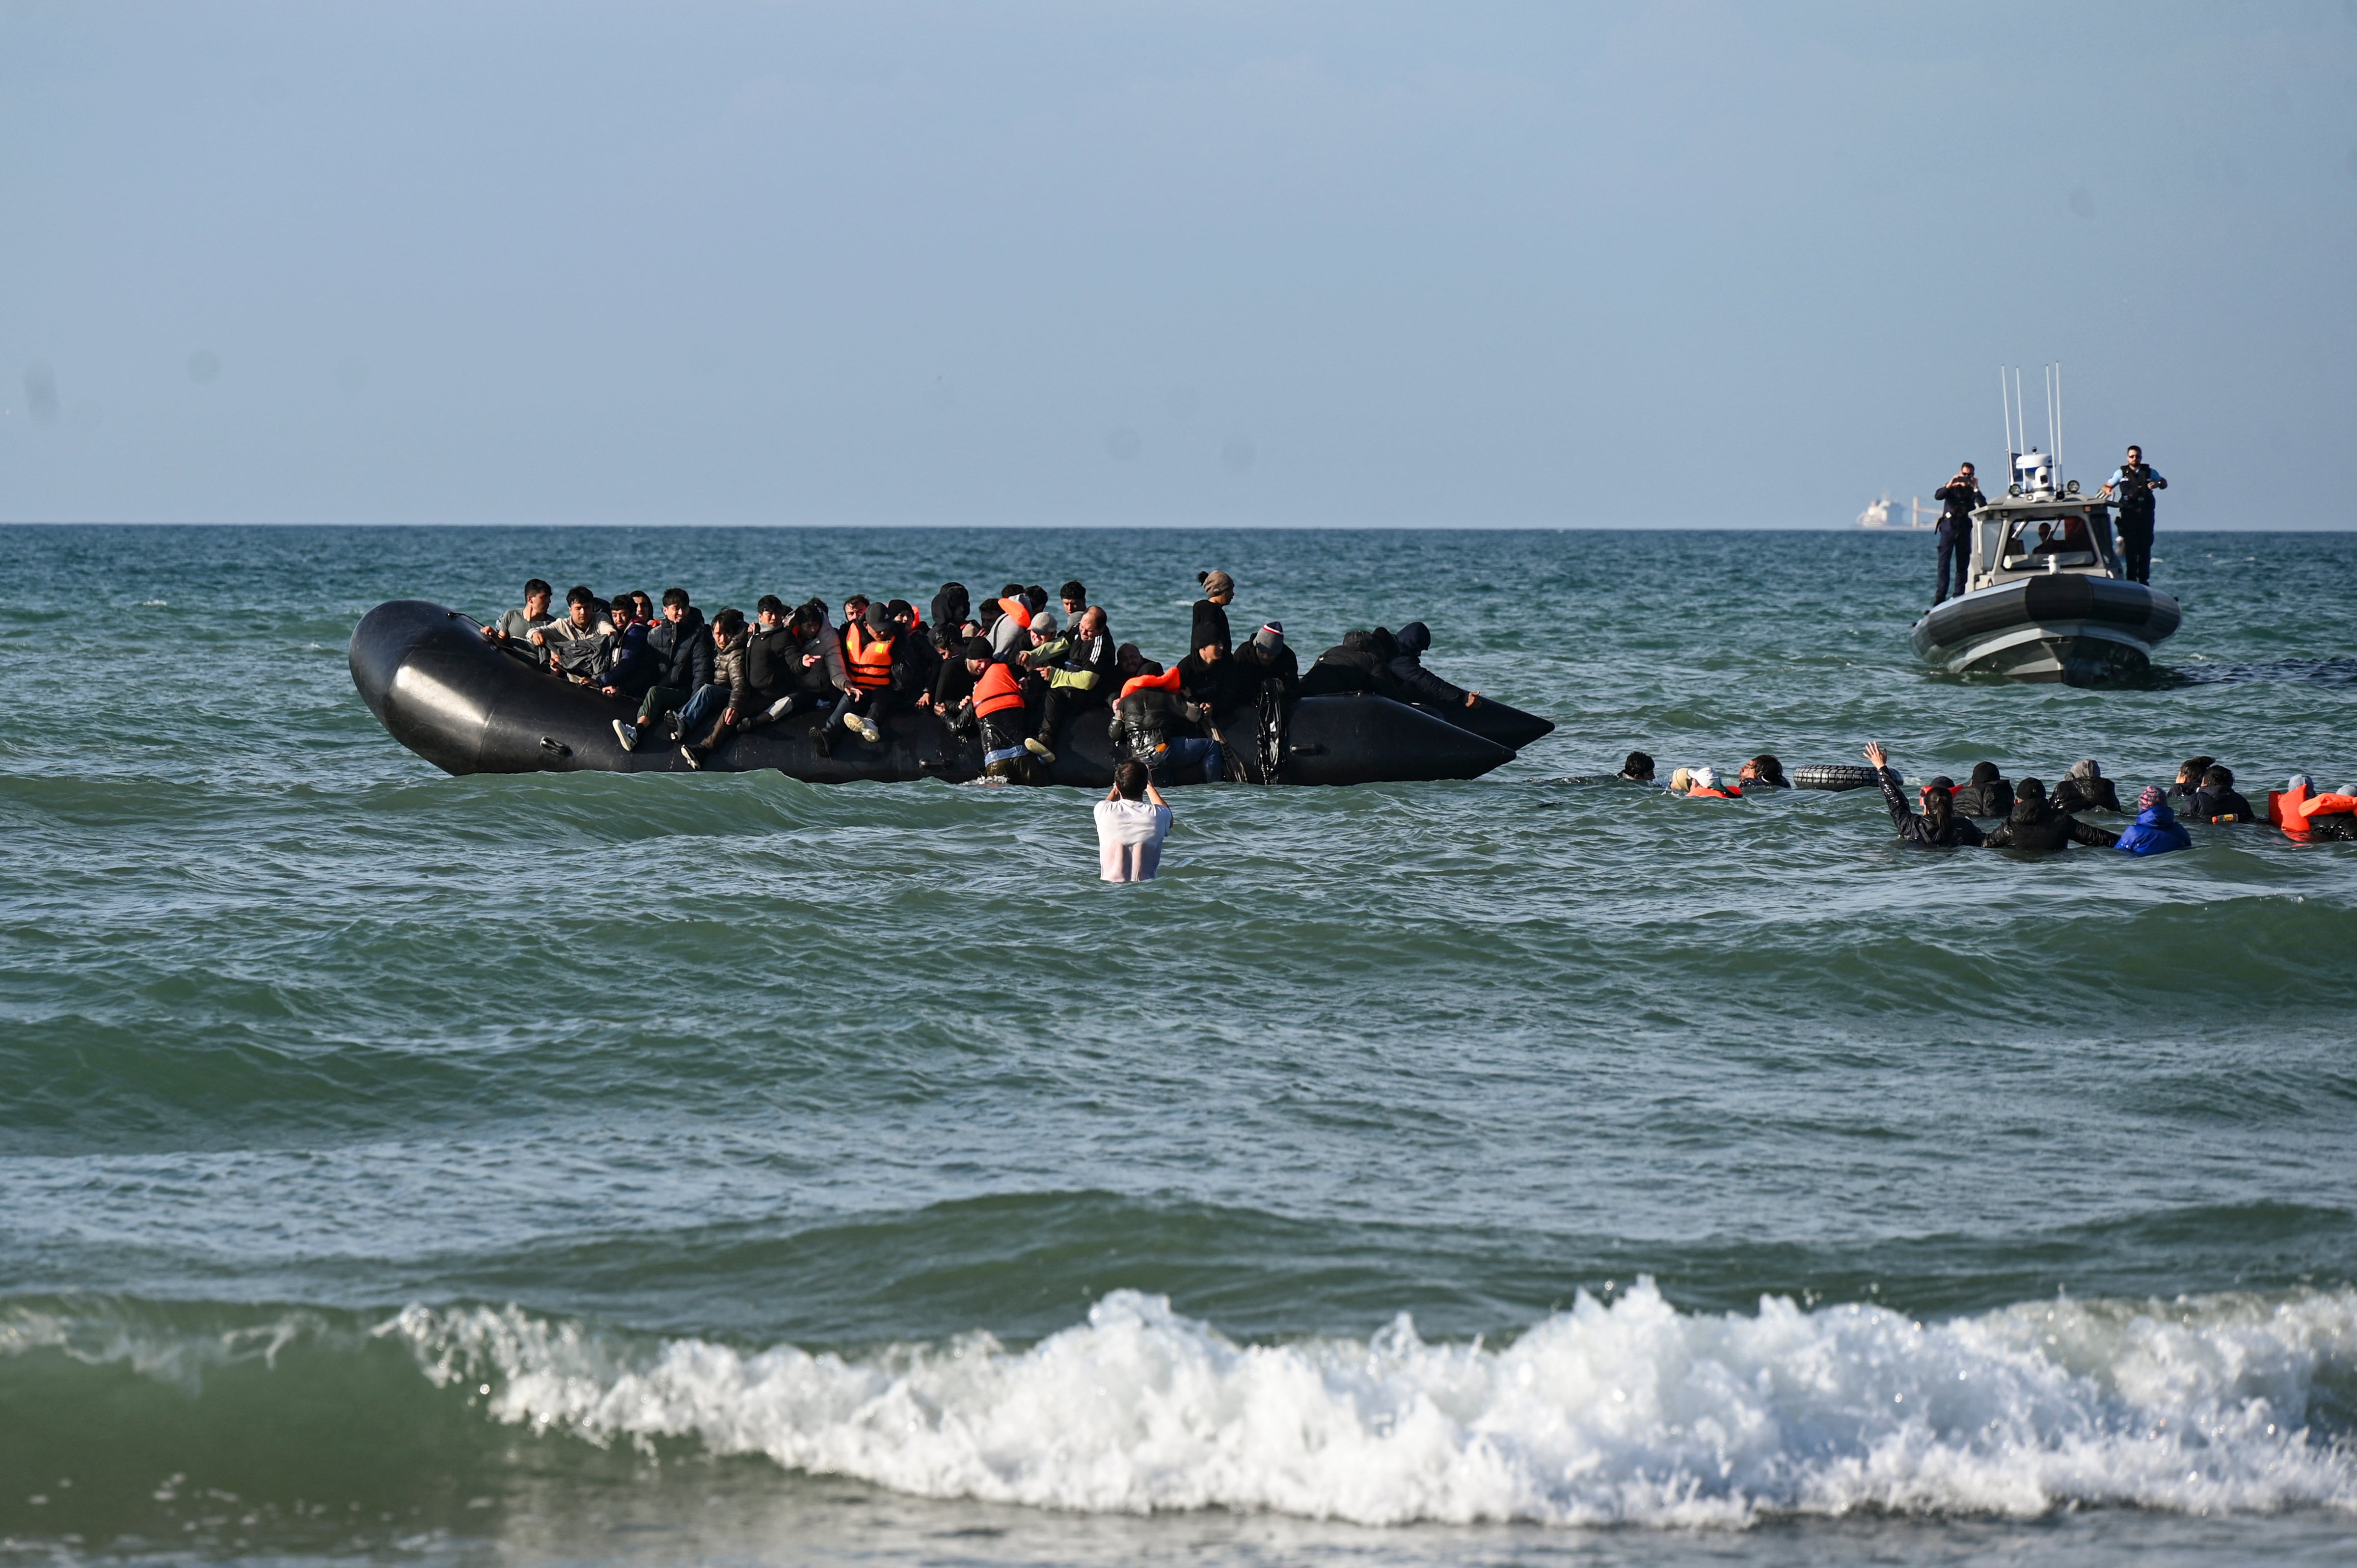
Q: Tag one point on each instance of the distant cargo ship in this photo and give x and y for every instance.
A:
(1880, 515)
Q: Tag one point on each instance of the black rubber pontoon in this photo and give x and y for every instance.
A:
(450, 696)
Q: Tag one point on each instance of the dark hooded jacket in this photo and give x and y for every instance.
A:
(1990, 797)
(1255, 665)
(1355, 664)
(952, 607)
(681, 652)
(2081, 792)
(772, 662)
(1405, 676)
(1211, 625)
(1145, 721)
(1211, 686)
(2215, 801)
(1915, 828)
(2035, 826)
(629, 670)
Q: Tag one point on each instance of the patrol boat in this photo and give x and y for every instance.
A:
(2046, 594)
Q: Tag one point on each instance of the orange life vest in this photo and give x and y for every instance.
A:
(1699, 793)
(2327, 804)
(999, 688)
(1019, 610)
(867, 661)
(2283, 808)
(1167, 681)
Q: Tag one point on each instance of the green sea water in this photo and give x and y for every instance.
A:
(396, 1167)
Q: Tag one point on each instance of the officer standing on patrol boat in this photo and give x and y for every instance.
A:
(1961, 494)
(2133, 484)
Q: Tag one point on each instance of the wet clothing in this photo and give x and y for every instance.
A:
(2038, 827)
(1152, 725)
(1994, 799)
(2155, 831)
(1129, 839)
(1255, 664)
(1354, 664)
(1404, 677)
(1915, 828)
(2077, 794)
(2215, 801)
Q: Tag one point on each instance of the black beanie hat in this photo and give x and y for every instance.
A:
(976, 648)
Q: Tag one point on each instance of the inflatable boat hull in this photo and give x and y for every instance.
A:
(2079, 629)
(454, 699)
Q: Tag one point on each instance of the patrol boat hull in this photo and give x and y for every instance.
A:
(447, 695)
(2076, 628)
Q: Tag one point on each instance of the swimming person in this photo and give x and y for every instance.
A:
(2155, 830)
(1938, 827)
(1132, 822)
(2036, 826)
(1985, 794)
(1765, 770)
(1704, 786)
(1638, 769)
(2218, 801)
(2085, 788)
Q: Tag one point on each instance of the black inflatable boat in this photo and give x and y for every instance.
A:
(462, 704)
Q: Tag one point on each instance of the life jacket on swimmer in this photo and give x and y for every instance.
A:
(1730, 793)
(997, 688)
(867, 659)
(2328, 804)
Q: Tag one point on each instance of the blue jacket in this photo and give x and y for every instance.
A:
(2155, 831)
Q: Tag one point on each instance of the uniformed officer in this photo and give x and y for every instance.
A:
(2132, 484)
(1961, 494)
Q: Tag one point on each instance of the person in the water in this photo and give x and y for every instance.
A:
(2035, 826)
(2155, 830)
(1765, 771)
(2217, 800)
(1703, 784)
(1985, 794)
(2085, 788)
(1937, 826)
(1132, 822)
(2189, 780)
(1638, 769)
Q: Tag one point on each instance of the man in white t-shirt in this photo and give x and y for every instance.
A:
(1132, 822)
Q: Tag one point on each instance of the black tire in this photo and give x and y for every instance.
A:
(1834, 776)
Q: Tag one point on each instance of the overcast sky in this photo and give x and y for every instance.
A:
(1162, 263)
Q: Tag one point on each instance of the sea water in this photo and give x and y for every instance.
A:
(396, 1167)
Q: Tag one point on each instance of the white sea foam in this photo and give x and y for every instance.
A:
(1631, 1411)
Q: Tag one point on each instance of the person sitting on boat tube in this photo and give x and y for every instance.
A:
(1958, 496)
(513, 627)
(1937, 826)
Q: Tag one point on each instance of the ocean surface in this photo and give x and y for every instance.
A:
(397, 1169)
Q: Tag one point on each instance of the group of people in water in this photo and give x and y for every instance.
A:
(2035, 820)
(1014, 670)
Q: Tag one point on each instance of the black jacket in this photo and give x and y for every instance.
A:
(951, 612)
(1917, 829)
(1994, 799)
(682, 652)
(2213, 801)
(1355, 664)
(2040, 829)
(916, 665)
(1145, 721)
(1210, 624)
(1406, 678)
(1212, 687)
(2086, 795)
(1961, 496)
(772, 661)
(953, 685)
(1254, 666)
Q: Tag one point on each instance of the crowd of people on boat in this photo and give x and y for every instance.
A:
(1012, 669)
(2031, 817)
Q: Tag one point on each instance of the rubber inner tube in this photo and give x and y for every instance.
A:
(1833, 775)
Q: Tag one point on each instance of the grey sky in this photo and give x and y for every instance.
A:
(1160, 263)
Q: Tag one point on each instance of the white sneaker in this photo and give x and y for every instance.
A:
(627, 733)
(1040, 751)
(866, 727)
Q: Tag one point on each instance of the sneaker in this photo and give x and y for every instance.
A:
(628, 734)
(1040, 751)
(694, 757)
(865, 728)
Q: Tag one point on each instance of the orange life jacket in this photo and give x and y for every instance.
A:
(867, 661)
(1167, 681)
(1699, 793)
(2283, 808)
(999, 688)
(2327, 804)
(1019, 610)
